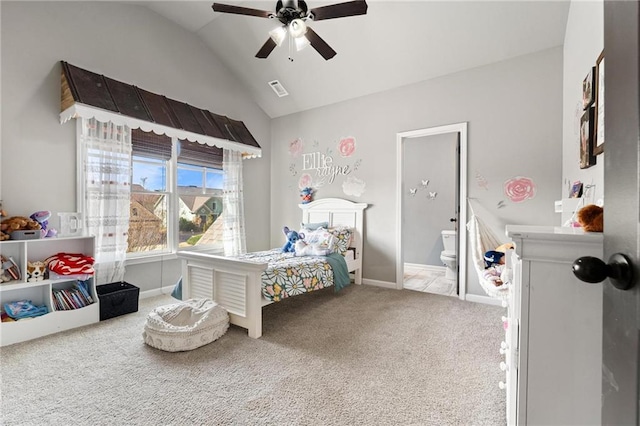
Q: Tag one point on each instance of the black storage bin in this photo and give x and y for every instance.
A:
(117, 299)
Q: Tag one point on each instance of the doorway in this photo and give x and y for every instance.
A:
(431, 198)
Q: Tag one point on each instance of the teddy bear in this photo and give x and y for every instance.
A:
(591, 218)
(3, 235)
(35, 271)
(18, 223)
(292, 237)
(494, 261)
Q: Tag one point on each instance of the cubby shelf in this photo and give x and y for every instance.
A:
(40, 292)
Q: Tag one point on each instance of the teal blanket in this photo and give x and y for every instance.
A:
(341, 277)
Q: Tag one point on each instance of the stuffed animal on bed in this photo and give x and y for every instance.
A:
(292, 237)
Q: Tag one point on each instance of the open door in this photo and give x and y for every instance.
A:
(621, 289)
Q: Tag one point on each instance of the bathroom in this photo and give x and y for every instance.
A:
(429, 200)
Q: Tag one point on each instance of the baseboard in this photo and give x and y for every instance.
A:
(156, 292)
(426, 267)
(377, 283)
(483, 299)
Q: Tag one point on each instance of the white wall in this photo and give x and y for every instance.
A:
(128, 43)
(583, 42)
(514, 111)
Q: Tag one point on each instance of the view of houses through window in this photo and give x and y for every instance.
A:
(176, 195)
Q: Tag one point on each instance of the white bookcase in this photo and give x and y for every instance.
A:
(40, 292)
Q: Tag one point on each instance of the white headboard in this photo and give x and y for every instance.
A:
(337, 211)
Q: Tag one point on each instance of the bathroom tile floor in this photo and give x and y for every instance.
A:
(429, 280)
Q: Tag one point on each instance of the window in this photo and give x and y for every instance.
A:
(176, 195)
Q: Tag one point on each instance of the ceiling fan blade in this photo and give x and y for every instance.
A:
(239, 10)
(266, 48)
(340, 10)
(319, 44)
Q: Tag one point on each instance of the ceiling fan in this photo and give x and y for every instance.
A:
(294, 16)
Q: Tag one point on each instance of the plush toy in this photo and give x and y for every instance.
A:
(18, 223)
(306, 194)
(3, 235)
(42, 217)
(35, 271)
(591, 218)
(292, 237)
(4, 276)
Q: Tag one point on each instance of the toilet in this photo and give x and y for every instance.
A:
(448, 255)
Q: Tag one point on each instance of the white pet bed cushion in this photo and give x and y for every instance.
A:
(185, 325)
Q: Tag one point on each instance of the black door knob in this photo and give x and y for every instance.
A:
(593, 270)
(453, 219)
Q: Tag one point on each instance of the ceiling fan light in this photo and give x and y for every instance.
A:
(301, 43)
(278, 35)
(297, 28)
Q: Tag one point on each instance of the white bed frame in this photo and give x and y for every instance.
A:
(236, 284)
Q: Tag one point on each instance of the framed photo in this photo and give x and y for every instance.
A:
(576, 190)
(588, 89)
(598, 145)
(587, 159)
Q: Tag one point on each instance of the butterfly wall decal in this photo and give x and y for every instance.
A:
(432, 195)
(425, 182)
(413, 191)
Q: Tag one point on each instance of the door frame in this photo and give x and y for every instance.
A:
(461, 130)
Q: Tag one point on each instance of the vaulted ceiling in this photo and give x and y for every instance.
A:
(396, 43)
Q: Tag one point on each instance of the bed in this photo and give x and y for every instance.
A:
(236, 283)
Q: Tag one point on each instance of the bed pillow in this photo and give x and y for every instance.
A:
(314, 226)
(342, 238)
(320, 239)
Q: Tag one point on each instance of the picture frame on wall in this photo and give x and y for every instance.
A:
(587, 158)
(598, 145)
(588, 89)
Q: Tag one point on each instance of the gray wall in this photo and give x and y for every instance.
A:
(514, 111)
(128, 43)
(583, 42)
(431, 158)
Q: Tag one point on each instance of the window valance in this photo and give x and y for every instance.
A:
(89, 95)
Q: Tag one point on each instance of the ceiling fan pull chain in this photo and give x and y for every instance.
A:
(290, 39)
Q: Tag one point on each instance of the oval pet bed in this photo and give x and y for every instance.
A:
(185, 325)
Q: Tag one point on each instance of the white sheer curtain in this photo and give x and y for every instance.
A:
(233, 207)
(106, 151)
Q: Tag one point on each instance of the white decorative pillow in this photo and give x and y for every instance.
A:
(320, 239)
(313, 226)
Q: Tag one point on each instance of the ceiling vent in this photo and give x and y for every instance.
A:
(278, 88)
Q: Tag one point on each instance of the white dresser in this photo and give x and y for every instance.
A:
(553, 338)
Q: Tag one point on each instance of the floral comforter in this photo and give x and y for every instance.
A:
(288, 275)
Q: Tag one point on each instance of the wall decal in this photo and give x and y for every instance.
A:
(432, 195)
(306, 181)
(501, 204)
(323, 166)
(357, 164)
(481, 181)
(292, 169)
(425, 182)
(353, 186)
(347, 146)
(412, 191)
(519, 189)
(295, 148)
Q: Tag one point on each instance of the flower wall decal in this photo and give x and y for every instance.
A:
(519, 189)
(295, 147)
(305, 181)
(347, 146)
(353, 186)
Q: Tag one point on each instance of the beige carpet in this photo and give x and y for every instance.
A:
(364, 356)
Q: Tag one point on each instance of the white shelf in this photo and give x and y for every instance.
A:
(40, 292)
